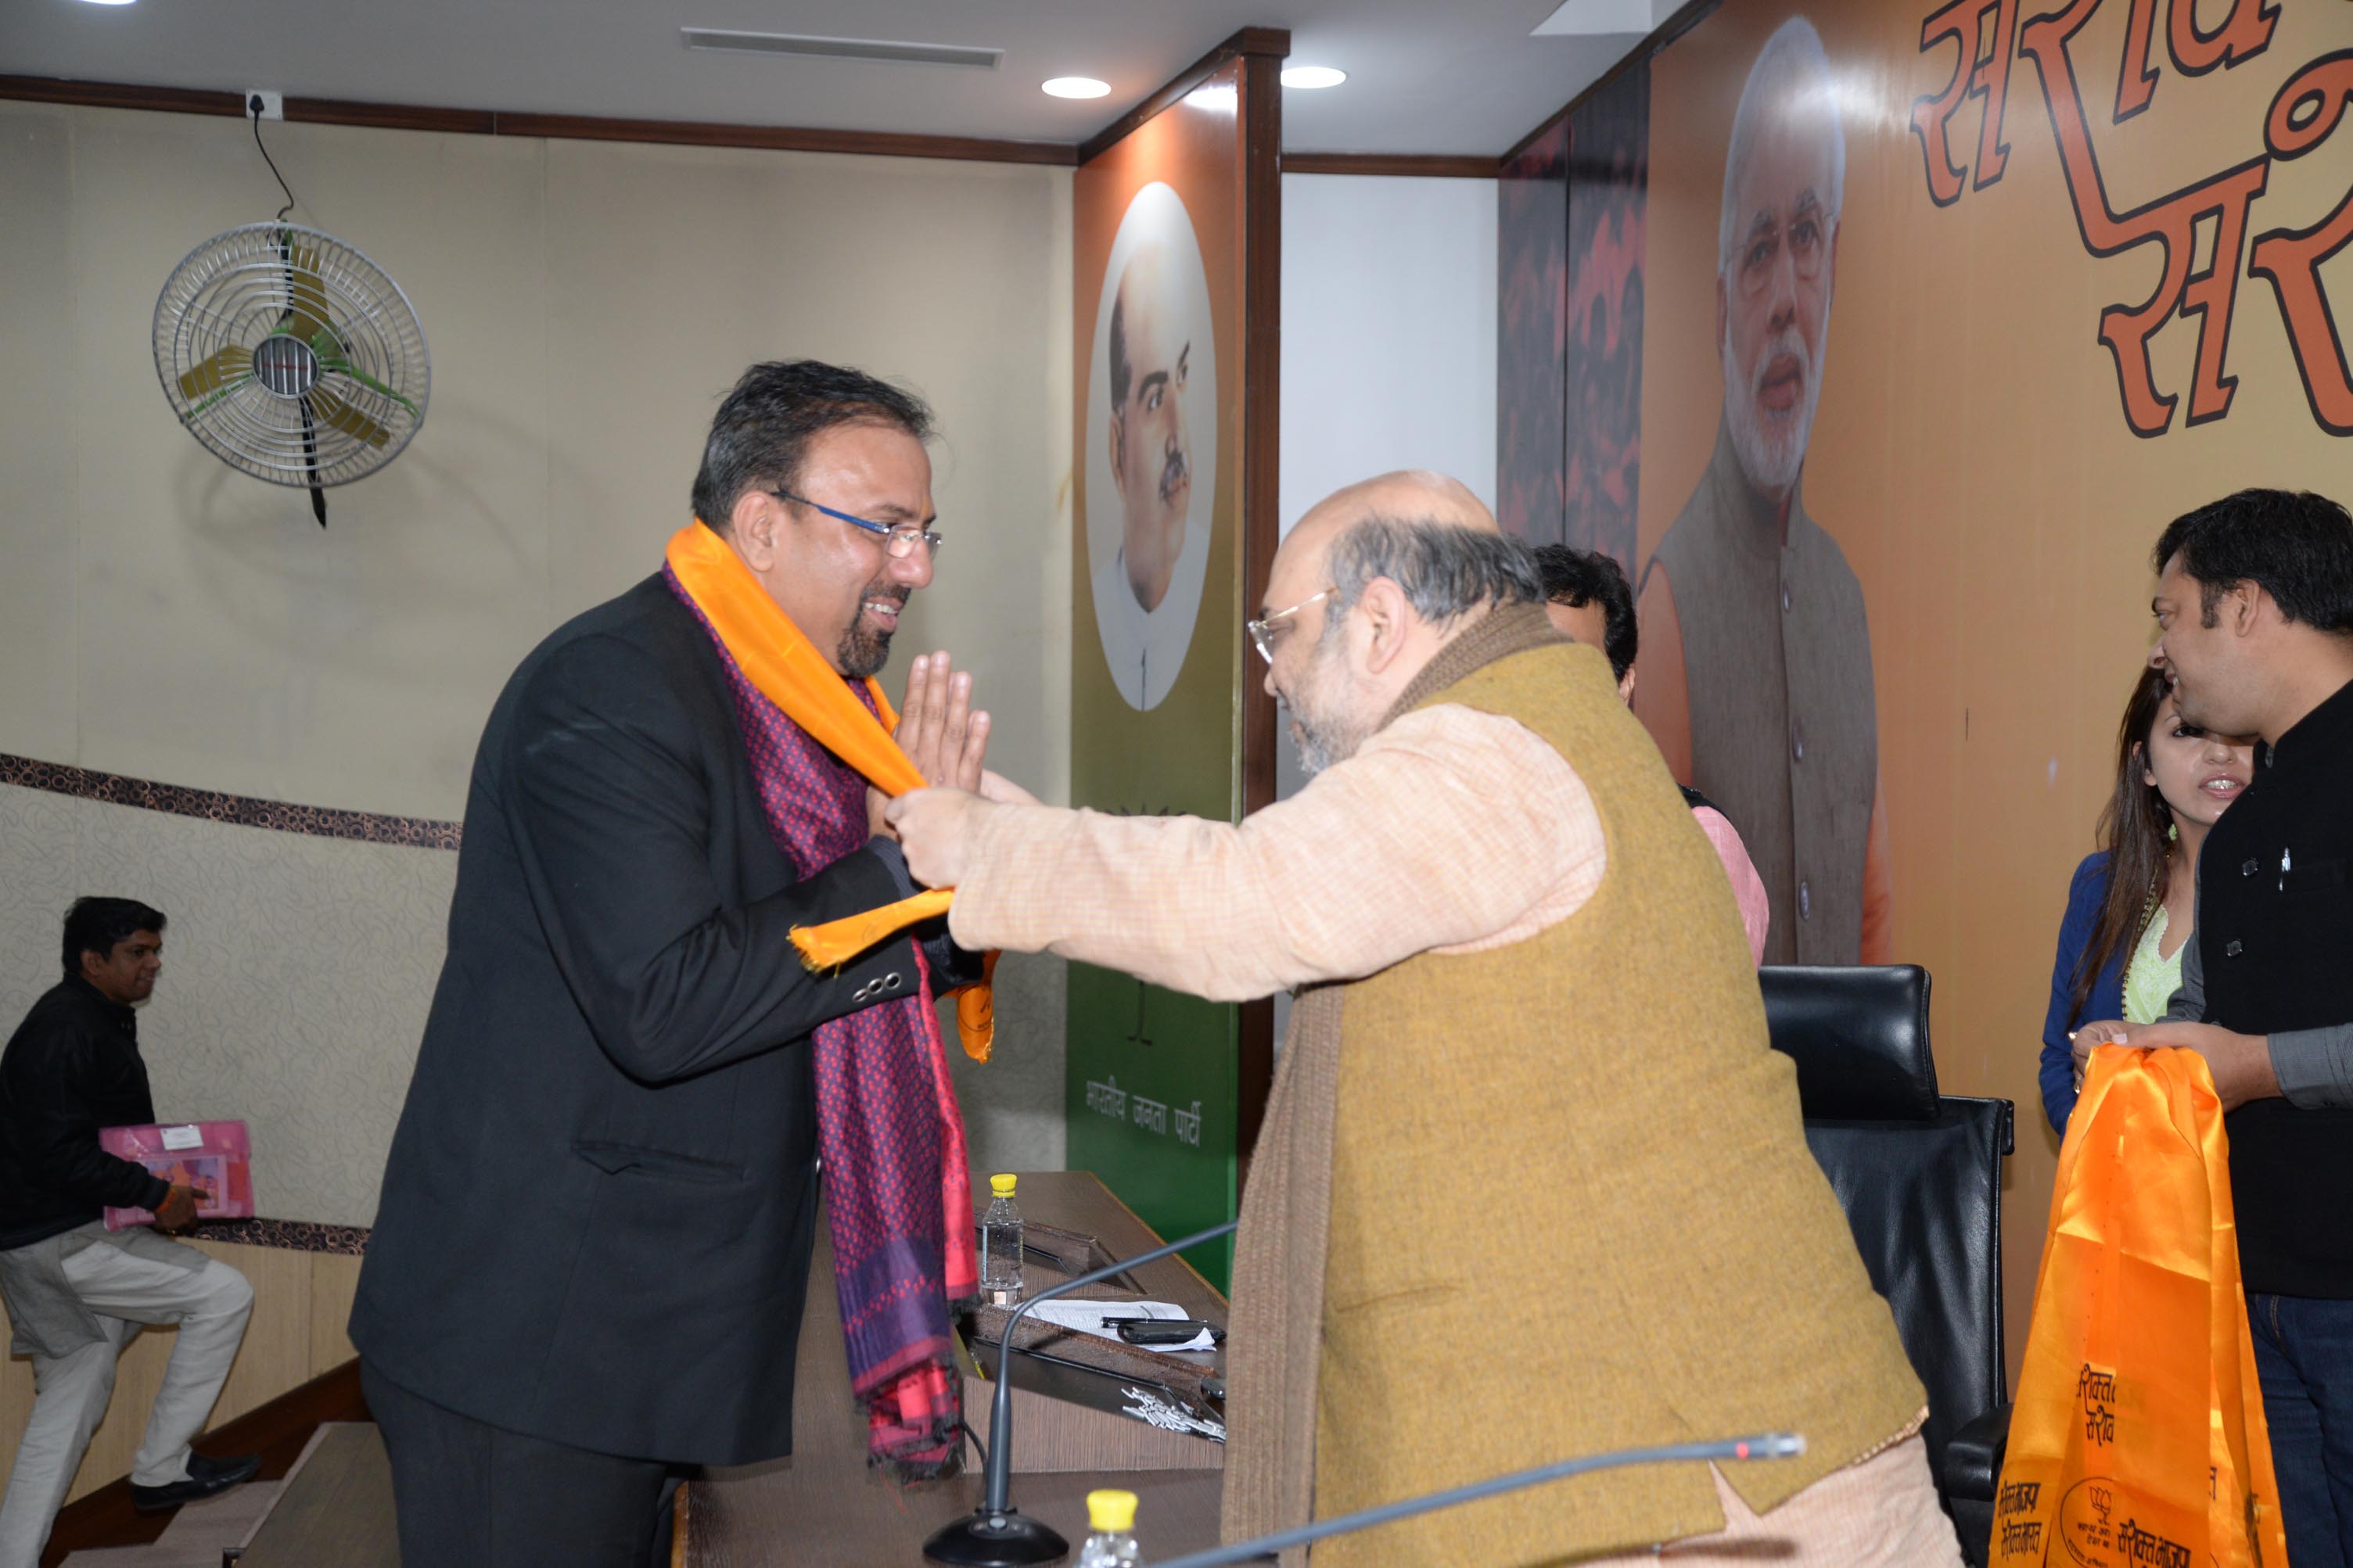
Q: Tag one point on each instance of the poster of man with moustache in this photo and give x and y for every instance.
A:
(1153, 1096)
(1155, 356)
(1755, 650)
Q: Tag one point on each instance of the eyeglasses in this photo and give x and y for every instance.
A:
(1261, 630)
(897, 542)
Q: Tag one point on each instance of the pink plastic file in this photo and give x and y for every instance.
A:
(215, 1158)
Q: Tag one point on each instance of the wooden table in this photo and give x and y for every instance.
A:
(823, 1508)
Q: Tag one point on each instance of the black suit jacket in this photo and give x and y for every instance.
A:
(597, 1214)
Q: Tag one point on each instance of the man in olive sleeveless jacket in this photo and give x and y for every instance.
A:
(1532, 1183)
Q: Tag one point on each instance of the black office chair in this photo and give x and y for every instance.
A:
(1919, 1175)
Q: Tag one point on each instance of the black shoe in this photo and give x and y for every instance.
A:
(205, 1477)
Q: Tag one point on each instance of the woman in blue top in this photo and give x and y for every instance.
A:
(2134, 903)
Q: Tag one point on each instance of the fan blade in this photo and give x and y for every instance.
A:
(225, 369)
(334, 411)
(346, 367)
(311, 455)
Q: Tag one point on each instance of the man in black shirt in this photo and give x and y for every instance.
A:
(77, 1292)
(2255, 608)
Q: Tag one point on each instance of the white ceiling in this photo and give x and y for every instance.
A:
(1425, 76)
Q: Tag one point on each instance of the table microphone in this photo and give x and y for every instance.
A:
(996, 1534)
(1767, 1445)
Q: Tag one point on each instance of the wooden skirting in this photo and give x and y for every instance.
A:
(276, 1430)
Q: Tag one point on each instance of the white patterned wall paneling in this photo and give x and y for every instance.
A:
(297, 973)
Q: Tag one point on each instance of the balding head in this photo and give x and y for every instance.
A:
(1417, 495)
(1406, 493)
(1373, 582)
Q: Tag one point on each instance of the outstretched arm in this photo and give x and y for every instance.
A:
(1396, 851)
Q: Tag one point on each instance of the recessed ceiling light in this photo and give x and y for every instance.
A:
(1218, 95)
(1076, 86)
(109, 2)
(1314, 76)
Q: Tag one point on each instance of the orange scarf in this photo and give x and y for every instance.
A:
(785, 668)
(2139, 1435)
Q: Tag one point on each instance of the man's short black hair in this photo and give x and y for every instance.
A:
(96, 925)
(1122, 372)
(763, 428)
(2295, 545)
(1580, 577)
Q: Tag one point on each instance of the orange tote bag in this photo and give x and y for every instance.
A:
(2137, 1440)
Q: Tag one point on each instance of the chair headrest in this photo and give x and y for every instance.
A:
(1860, 1036)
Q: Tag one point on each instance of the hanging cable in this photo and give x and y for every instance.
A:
(253, 112)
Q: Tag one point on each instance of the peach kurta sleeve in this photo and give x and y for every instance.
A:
(1747, 886)
(1448, 828)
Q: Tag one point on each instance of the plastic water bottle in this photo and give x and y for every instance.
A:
(1000, 1245)
(1111, 1521)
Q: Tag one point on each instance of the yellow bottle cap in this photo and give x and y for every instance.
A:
(1110, 1513)
(1002, 1187)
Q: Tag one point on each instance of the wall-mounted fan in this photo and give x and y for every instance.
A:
(291, 356)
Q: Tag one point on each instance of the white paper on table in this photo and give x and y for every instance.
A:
(1087, 1317)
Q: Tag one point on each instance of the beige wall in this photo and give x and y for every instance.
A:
(165, 617)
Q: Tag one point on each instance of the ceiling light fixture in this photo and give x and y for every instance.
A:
(1076, 86)
(1314, 77)
(1219, 95)
(108, 2)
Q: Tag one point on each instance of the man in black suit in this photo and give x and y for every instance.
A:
(593, 1246)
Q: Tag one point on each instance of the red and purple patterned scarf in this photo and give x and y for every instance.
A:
(898, 1197)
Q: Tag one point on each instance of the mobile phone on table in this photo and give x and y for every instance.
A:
(1160, 1330)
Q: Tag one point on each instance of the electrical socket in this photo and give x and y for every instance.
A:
(273, 104)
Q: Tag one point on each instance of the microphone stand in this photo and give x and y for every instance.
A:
(1768, 1446)
(996, 1534)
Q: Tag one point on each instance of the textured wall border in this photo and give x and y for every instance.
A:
(289, 1235)
(242, 810)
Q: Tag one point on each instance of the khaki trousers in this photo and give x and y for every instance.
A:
(1880, 1513)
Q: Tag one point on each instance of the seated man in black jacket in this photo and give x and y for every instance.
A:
(76, 1292)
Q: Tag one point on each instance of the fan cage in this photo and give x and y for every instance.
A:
(235, 290)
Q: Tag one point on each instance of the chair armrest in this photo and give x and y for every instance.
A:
(1973, 1457)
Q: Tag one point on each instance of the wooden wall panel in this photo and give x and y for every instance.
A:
(334, 1281)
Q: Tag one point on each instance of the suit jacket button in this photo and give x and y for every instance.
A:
(2232, 948)
(2248, 869)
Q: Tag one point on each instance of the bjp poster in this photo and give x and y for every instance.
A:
(1890, 335)
(1154, 1096)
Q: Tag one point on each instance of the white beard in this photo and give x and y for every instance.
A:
(1323, 733)
(1771, 447)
